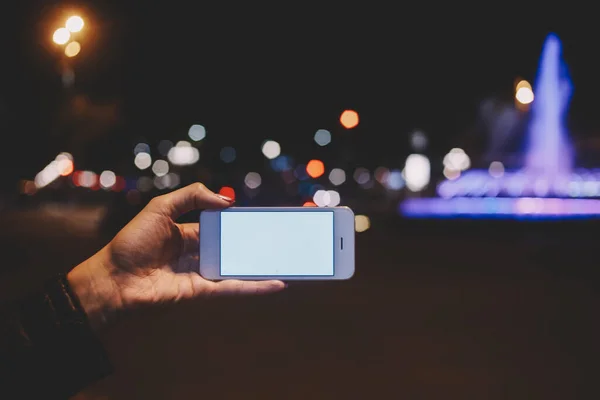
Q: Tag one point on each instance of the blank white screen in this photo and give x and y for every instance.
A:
(276, 243)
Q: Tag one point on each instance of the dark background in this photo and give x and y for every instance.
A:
(437, 309)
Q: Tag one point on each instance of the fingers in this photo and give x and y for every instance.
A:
(186, 199)
(237, 287)
(190, 234)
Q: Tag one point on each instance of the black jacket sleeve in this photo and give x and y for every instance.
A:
(47, 348)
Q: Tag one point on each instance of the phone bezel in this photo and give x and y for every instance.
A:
(343, 231)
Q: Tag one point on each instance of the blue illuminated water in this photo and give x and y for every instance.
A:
(548, 151)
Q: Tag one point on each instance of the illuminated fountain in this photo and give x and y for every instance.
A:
(547, 185)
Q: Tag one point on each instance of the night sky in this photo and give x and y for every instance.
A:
(250, 73)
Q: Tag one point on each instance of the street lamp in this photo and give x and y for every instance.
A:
(65, 35)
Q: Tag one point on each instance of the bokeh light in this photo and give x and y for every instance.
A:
(271, 149)
(362, 175)
(309, 204)
(315, 168)
(72, 49)
(74, 23)
(141, 148)
(496, 169)
(323, 137)
(61, 36)
(524, 92)
(457, 160)
(417, 172)
(337, 176)
(395, 180)
(227, 154)
(183, 153)
(164, 146)
(107, 179)
(160, 167)
(197, 132)
(142, 160)
(253, 180)
(361, 223)
(418, 141)
(349, 119)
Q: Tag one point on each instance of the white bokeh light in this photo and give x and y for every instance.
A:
(183, 154)
(160, 167)
(337, 176)
(271, 149)
(417, 172)
(253, 180)
(107, 179)
(197, 132)
(457, 160)
(142, 161)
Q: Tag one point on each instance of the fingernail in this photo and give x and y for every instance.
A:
(224, 198)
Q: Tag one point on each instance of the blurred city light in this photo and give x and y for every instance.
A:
(418, 141)
(271, 149)
(141, 148)
(496, 169)
(457, 160)
(382, 174)
(334, 198)
(74, 24)
(253, 180)
(227, 154)
(524, 92)
(164, 146)
(337, 176)
(62, 165)
(197, 133)
(309, 204)
(362, 175)
(417, 172)
(361, 223)
(107, 179)
(61, 36)
(315, 168)
(326, 198)
(72, 49)
(183, 154)
(323, 137)
(349, 119)
(395, 180)
(142, 160)
(160, 167)
(227, 192)
(87, 179)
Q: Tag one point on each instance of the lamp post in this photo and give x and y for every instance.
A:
(66, 37)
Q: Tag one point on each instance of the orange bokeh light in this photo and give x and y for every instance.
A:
(349, 119)
(228, 192)
(309, 204)
(315, 168)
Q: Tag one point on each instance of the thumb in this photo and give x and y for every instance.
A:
(191, 197)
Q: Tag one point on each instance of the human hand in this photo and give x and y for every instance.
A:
(154, 260)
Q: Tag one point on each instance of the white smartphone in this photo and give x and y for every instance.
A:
(285, 243)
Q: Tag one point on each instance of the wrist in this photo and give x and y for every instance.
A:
(92, 283)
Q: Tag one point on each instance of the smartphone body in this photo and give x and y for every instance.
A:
(285, 243)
